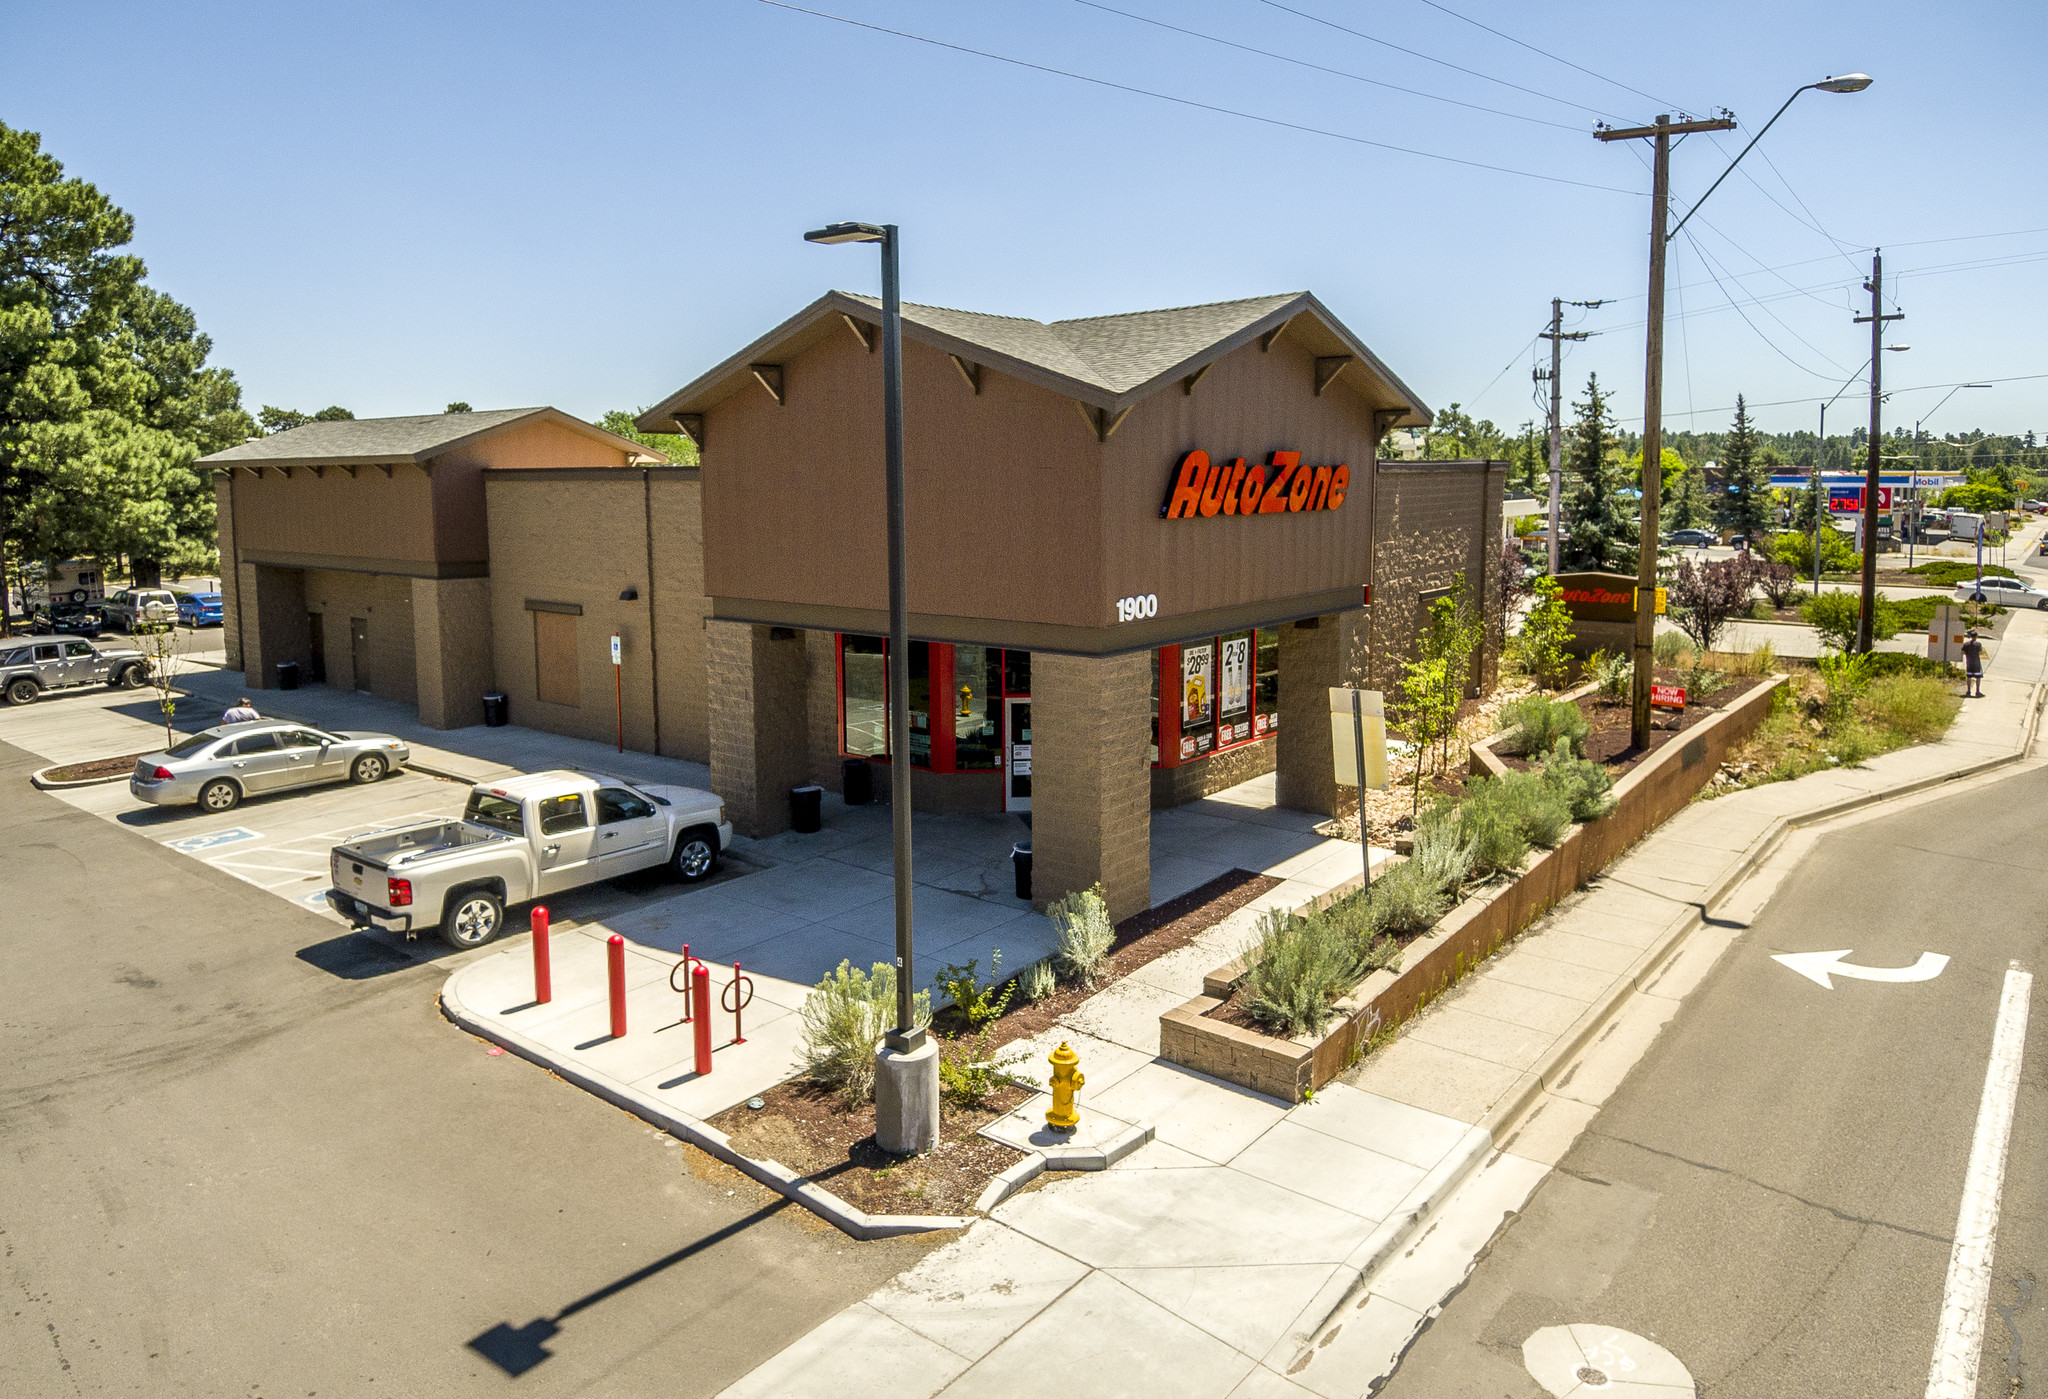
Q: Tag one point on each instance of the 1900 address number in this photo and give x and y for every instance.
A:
(1132, 609)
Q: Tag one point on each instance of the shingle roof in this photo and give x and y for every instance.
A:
(393, 439)
(1108, 361)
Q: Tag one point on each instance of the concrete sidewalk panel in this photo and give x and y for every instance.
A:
(1207, 1116)
(1321, 1167)
(858, 1354)
(1577, 983)
(974, 1292)
(1444, 1082)
(1456, 1029)
(1385, 1125)
(1246, 1308)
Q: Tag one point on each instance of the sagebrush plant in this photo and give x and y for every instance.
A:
(1081, 920)
(1495, 837)
(844, 1018)
(1039, 980)
(1440, 859)
(1585, 787)
(1613, 674)
(1670, 648)
(1542, 722)
(1299, 966)
(1538, 811)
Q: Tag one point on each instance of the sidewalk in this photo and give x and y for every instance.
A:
(1258, 1250)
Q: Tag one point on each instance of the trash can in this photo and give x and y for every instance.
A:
(496, 710)
(807, 809)
(1020, 857)
(287, 675)
(856, 782)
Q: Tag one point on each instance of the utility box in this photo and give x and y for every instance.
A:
(1945, 635)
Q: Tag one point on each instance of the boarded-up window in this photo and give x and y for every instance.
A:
(554, 658)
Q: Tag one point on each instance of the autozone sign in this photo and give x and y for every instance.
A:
(1200, 487)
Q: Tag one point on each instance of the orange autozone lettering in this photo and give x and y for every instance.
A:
(1284, 464)
(1340, 484)
(1230, 491)
(1319, 490)
(1184, 499)
(1213, 486)
(1254, 487)
(1297, 488)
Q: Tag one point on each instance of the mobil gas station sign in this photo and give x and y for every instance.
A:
(1845, 498)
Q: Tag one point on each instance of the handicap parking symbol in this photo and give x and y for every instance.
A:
(212, 840)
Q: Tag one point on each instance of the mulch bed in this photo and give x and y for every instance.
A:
(1609, 741)
(808, 1128)
(98, 767)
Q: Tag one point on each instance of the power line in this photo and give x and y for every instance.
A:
(1549, 55)
(1320, 68)
(1428, 58)
(1198, 106)
(1706, 263)
(1916, 388)
(1709, 263)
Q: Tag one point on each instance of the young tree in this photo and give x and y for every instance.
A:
(1744, 506)
(1602, 533)
(1686, 507)
(1704, 597)
(1545, 633)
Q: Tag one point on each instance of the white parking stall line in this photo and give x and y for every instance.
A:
(1959, 1336)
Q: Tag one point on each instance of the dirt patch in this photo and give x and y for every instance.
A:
(98, 767)
(810, 1130)
(1610, 742)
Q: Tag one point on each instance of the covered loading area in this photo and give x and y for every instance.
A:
(359, 550)
(1139, 551)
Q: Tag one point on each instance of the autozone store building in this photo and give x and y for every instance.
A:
(1140, 549)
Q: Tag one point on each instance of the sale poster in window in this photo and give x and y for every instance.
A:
(1197, 684)
(1237, 676)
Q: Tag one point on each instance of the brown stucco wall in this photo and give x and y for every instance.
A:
(368, 516)
(1017, 515)
(385, 603)
(1436, 519)
(452, 649)
(459, 512)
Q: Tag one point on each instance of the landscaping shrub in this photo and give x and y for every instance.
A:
(1543, 722)
(844, 1019)
(1916, 707)
(976, 1000)
(970, 1072)
(1946, 573)
(1085, 933)
(1539, 646)
(1847, 677)
(1883, 663)
(1834, 616)
(1670, 648)
(1039, 980)
(1490, 830)
(1406, 900)
(1538, 812)
(1614, 674)
(1584, 786)
(1300, 966)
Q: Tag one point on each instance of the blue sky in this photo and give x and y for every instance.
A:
(393, 206)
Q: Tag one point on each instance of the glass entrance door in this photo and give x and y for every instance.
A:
(1017, 755)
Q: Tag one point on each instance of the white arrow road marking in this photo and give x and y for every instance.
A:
(1817, 966)
(1959, 1336)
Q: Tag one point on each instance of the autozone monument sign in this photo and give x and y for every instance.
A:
(1201, 487)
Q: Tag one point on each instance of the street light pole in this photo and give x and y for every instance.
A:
(907, 1065)
(1653, 387)
(1877, 320)
(1557, 335)
(1818, 503)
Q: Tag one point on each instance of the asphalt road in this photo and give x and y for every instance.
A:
(239, 1162)
(1773, 1192)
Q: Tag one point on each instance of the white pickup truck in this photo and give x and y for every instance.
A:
(522, 838)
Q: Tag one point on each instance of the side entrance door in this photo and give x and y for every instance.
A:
(1017, 755)
(359, 650)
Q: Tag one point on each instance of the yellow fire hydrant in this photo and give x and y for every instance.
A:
(1066, 1080)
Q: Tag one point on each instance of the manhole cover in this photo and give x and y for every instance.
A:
(1581, 1360)
(1589, 1375)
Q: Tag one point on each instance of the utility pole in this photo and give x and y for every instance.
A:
(1557, 335)
(1877, 321)
(1819, 501)
(1653, 400)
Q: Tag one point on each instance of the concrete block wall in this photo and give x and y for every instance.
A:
(1177, 786)
(385, 603)
(675, 503)
(273, 621)
(1433, 521)
(1315, 654)
(758, 723)
(230, 579)
(452, 649)
(1091, 790)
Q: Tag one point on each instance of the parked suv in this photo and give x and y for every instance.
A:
(132, 607)
(28, 670)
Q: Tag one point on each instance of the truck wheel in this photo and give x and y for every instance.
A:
(219, 795)
(368, 768)
(22, 691)
(474, 917)
(696, 857)
(133, 678)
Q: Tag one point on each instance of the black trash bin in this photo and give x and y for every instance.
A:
(856, 782)
(287, 675)
(497, 711)
(807, 809)
(1020, 857)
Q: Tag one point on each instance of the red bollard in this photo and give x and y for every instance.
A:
(700, 995)
(543, 976)
(615, 958)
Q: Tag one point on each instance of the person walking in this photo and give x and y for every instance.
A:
(242, 712)
(1973, 666)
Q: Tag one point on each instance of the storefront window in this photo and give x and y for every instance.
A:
(1234, 689)
(1016, 672)
(1216, 694)
(1197, 699)
(864, 682)
(977, 685)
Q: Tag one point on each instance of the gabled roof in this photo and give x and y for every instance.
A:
(1107, 361)
(415, 439)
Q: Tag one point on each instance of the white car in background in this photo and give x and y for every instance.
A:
(2005, 592)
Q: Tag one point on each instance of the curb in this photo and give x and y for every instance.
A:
(1067, 1159)
(773, 1174)
(1507, 1113)
(37, 779)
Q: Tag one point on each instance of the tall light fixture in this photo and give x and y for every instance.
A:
(907, 1063)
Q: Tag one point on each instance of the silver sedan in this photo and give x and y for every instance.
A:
(219, 767)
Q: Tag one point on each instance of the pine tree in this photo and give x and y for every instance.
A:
(1744, 506)
(1684, 507)
(1602, 534)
